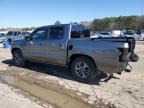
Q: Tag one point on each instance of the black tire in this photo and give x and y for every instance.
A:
(18, 58)
(92, 71)
(134, 58)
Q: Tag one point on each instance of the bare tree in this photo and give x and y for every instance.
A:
(57, 22)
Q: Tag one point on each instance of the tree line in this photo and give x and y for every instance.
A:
(107, 24)
(114, 23)
(118, 23)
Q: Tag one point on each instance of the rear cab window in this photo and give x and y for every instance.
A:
(78, 31)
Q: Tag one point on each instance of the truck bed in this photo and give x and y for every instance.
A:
(130, 40)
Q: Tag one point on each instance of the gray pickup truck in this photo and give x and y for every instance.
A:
(70, 45)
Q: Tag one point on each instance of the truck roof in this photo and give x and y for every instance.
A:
(58, 25)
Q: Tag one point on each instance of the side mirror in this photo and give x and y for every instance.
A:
(28, 38)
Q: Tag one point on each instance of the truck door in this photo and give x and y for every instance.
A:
(35, 49)
(56, 45)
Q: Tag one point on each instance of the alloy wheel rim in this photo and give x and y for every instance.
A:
(17, 58)
(82, 70)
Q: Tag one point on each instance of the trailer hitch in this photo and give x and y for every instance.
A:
(128, 68)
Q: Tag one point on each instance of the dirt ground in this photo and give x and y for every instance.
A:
(11, 97)
(122, 91)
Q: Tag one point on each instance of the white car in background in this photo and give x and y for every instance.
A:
(103, 34)
(116, 33)
(131, 33)
(142, 36)
(2, 38)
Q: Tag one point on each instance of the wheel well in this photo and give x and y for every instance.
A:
(73, 57)
(14, 49)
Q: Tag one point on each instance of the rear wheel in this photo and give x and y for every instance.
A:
(83, 69)
(18, 58)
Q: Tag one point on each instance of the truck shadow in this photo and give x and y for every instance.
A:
(58, 71)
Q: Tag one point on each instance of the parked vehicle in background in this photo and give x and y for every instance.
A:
(16, 35)
(116, 33)
(25, 34)
(103, 34)
(142, 36)
(70, 45)
(94, 35)
(2, 34)
(131, 33)
(2, 37)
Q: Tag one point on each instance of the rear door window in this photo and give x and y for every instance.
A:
(56, 33)
(15, 34)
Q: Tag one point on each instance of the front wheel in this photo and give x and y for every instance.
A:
(83, 69)
(18, 58)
